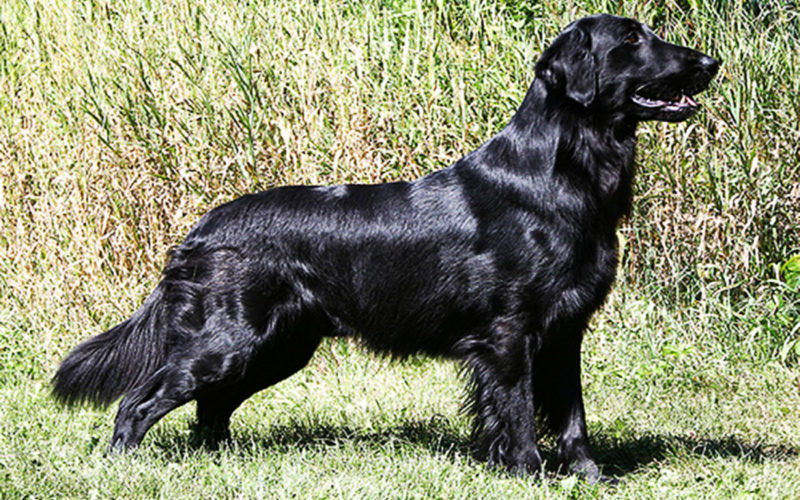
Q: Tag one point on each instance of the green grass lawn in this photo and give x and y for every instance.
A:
(355, 426)
(122, 121)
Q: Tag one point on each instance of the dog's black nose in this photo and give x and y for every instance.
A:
(709, 64)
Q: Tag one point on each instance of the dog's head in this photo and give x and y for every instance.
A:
(616, 65)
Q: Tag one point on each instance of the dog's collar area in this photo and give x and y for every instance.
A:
(671, 104)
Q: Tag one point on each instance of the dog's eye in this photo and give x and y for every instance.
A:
(632, 38)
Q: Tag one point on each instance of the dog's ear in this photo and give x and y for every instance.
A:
(568, 65)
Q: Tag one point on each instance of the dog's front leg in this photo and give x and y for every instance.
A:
(559, 399)
(502, 401)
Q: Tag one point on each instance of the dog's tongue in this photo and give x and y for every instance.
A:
(688, 100)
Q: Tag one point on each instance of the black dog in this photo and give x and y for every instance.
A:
(498, 260)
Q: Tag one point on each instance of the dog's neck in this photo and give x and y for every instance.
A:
(594, 150)
(561, 154)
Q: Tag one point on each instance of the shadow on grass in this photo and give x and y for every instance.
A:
(438, 435)
(441, 436)
(622, 456)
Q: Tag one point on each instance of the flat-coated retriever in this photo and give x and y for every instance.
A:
(498, 261)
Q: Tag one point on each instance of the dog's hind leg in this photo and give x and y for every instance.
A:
(280, 359)
(165, 390)
(214, 412)
(216, 356)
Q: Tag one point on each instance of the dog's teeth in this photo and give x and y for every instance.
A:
(646, 101)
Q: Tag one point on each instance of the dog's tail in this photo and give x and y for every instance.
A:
(107, 366)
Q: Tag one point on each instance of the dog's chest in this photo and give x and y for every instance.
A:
(571, 278)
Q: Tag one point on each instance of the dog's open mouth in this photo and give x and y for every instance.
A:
(676, 103)
(670, 99)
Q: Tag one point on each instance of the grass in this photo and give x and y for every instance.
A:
(669, 422)
(122, 121)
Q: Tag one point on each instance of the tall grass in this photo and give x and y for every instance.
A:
(122, 121)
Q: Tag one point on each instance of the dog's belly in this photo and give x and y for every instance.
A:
(407, 302)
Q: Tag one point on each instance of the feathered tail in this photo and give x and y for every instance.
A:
(105, 367)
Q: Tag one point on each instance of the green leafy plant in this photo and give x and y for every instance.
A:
(790, 270)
